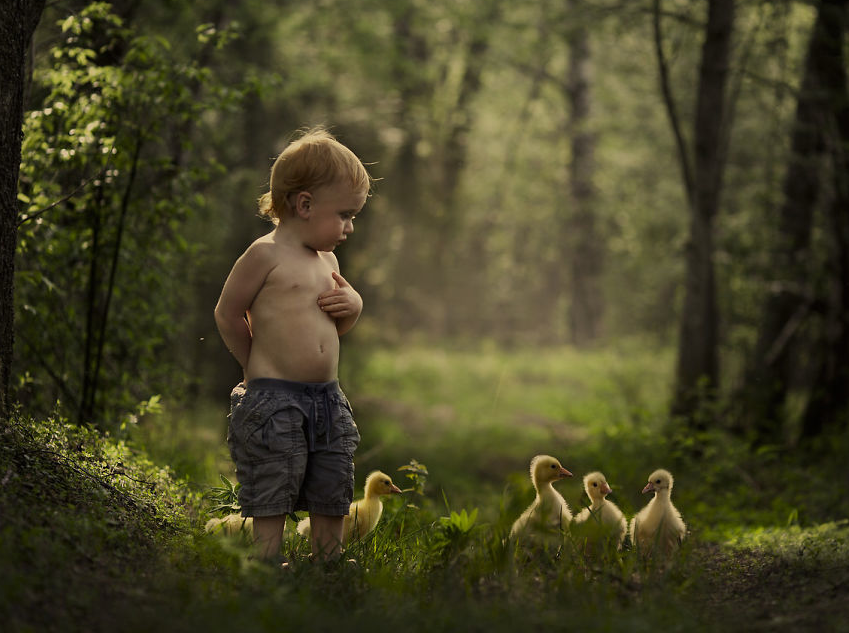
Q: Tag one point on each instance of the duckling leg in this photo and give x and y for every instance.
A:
(326, 535)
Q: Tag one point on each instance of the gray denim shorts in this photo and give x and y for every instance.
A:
(293, 444)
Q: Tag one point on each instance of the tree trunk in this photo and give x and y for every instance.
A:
(18, 19)
(581, 231)
(791, 301)
(828, 405)
(697, 372)
(407, 305)
(457, 288)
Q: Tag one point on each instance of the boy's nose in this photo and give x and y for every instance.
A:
(349, 227)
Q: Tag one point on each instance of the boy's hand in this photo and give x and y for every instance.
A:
(341, 302)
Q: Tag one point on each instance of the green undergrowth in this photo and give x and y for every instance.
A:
(96, 537)
(84, 522)
(98, 534)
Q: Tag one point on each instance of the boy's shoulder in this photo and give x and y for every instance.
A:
(263, 241)
(270, 250)
(262, 248)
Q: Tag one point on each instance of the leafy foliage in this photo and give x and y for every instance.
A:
(81, 515)
(108, 182)
(225, 498)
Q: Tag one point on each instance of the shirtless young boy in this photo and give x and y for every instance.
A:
(282, 309)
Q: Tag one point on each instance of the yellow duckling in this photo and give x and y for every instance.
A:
(364, 513)
(549, 512)
(602, 521)
(659, 524)
(231, 525)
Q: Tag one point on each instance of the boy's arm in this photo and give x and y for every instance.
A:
(240, 289)
(343, 303)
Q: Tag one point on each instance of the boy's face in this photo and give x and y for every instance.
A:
(330, 217)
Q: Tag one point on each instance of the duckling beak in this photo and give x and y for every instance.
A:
(395, 489)
(605, 489)
(649, 488)
(564, 473)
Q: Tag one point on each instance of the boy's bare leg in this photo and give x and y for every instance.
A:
(268, 533)
(326, 535)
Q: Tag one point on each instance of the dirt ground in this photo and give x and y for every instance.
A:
(754, 590)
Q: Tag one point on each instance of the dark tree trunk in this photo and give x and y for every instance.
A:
(828, 406)
(408, 307)
(697, 371)
(786, 308)
(18, 19)
(581, 231)
(456, 144)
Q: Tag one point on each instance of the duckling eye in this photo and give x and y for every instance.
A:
(387, 482)
(595, 485)
(657, 481)
(553, 466)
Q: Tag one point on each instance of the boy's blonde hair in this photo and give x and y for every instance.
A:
(313, 160)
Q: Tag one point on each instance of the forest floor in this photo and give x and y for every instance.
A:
(98, 534)
(758, 590)
(79, 551)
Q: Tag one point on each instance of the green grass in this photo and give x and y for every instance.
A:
(96, 534)
(477, 417)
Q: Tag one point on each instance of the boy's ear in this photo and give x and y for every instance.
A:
(303, 204)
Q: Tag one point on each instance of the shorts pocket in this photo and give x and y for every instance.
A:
(279, 436)
(343, 400)
(247, 414)
(344, 426)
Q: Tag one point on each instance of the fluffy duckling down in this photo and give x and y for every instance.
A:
(231, 525)
(658, 527)
(602, 521)
(364, 513)
(549, 512)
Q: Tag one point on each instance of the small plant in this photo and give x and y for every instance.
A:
(453, 533)
(459, 524)
(417, 474)
(224, 498)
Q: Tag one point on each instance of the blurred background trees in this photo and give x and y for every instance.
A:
(550, 173)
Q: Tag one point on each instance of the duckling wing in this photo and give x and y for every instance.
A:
(521, 524)
(641, 530)
(565, 513)
(362, 518)
(677, 527)
(551, 514)
(582, 516)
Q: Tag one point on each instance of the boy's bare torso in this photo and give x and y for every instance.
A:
(292, 338)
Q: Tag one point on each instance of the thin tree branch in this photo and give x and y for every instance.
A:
(671, 109)
(790, 328)
(32, 216)
(125, 203)
(618, 8)
(63, 387)
(89, 380)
